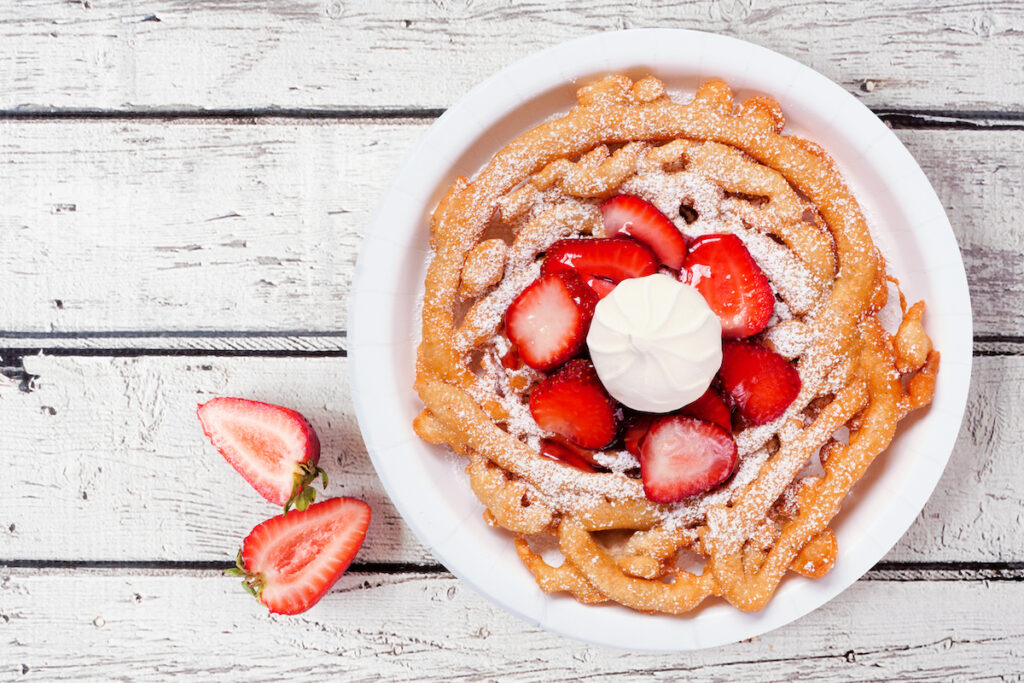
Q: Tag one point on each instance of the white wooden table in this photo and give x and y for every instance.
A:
(183, 190)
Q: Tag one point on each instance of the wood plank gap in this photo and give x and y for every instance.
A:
(895, 117)
(50, 114)
(171, 334)
(209, 566)
(287, 347)
(387, 113)
(936, 119)
(883, 571)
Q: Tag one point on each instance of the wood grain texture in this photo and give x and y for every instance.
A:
(105, 461)
(351, 54)
(214, 225)
(105, 625)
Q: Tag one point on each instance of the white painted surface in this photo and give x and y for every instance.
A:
(214, 225)
(409, 627)
(224, 226)
(111, 463)
(402, 53)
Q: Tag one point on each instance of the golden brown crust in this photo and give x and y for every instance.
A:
(791, 198)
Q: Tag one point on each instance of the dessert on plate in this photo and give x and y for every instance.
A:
(652, 328)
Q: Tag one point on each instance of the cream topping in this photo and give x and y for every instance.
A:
(655, 343)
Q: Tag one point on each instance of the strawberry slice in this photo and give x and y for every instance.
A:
(549, 319)
(600, 286)
(290, 562)
(683, 456)
(629, 216)
(511, 359)
(573, 404)
(275, 449)
(636, 430)
(615, 259)
(732, 283)
(710, 407)
(568, 453)
(758, 382)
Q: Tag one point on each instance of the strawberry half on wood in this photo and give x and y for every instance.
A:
(732, 283)
(275, 449)
(683, 456)
(628, 216)
(290, 561)
(573, 404)
(758, 381)
(549, 320)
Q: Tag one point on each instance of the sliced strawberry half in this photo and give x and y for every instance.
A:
(732, 283)
(289, 562)
(758, 382)
(683, 456)
(275, 449)
(629, 216)
(568, 453)
(549, 319)
(635, 431)
(615, 259)
(712, 408)
(573, 404)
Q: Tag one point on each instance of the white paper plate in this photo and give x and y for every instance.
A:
(428, 485)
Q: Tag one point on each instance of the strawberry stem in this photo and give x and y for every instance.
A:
(303, 493)
(251, 582)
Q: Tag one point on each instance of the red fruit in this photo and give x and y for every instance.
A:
(549, 319)
(573, 404)
(511, 360)
(732, 283)
(613, 259)
(759, 383)
(636, 430)
(568, 453)
(626, 215)
(712, 408)
(289, 562)
(600, 286)
(683, 456)
(275, 449)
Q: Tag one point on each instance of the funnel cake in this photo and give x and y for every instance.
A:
(712, 167)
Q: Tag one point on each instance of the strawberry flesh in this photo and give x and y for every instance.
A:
(757, 381)
(683, 456)
(628, 216)
(275, 449)
(511, 359)
(615, 259)
(549, 320)
(573, 404)
(635, 431)
(291, 561)
(600, 286)
(568, 453)
(731, 282)
(710, 407)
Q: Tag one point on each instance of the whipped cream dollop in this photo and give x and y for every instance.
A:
(655, 343)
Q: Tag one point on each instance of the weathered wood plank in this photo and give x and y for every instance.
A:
(113, 625)
(106, 444)
(187, 225)
(207, 225)
(345, 54)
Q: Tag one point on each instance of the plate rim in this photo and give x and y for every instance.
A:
(362, 380)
